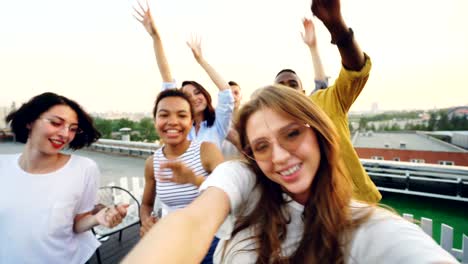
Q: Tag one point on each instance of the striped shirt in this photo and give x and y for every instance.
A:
(175, 195)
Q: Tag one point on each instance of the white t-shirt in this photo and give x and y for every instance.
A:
(37, 212)
(384, 238)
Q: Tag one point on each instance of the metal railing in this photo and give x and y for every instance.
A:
(446, 238)
(439, 181)
(131, 148)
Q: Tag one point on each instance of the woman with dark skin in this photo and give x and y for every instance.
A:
(210, 124)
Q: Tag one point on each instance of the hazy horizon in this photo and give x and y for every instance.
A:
(96, 53)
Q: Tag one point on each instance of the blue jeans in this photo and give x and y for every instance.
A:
(209, 256)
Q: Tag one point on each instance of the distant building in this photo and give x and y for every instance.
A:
(461, 111)
(400, 123)
(118, 115)
(3, 113)
(460, 138)
(408, 146)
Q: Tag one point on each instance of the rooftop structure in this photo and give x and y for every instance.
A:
(402, 140)
(413, 147)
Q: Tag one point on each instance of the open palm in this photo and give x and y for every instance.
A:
(194, 44)
(308, 36)
(143, 15)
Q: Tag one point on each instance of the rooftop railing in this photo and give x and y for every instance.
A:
(439, 181)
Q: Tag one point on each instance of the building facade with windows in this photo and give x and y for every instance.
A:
(408, 146)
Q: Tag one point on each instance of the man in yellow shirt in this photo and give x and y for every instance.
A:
(337, 99)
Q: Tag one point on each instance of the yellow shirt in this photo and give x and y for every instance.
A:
(336, 101)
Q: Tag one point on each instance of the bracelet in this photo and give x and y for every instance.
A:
(344, 40)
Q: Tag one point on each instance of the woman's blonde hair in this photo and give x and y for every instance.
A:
(327, 216)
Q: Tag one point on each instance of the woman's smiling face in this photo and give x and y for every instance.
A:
(293, 169)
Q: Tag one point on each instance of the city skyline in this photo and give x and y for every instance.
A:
(97, 54)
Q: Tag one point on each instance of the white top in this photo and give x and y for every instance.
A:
(37, 212)
(175, 195)
(384, 238)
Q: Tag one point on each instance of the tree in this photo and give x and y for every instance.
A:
(432, 122)
(444, 123)
(147, 130)
(104, 126)
(362, 124)
(121, 123)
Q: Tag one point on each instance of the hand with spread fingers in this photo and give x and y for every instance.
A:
(143, 15)
(180, 173)
(195, 45)
(112, 216)
(308, 36)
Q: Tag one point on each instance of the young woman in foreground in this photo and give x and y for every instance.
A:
(178, 168)
(291, 201)
(48, 196)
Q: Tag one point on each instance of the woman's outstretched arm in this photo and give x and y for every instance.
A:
(185, 235)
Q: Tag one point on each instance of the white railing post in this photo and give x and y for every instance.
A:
(446, 237)
(137, 188)
(426, 225)
(465, 249)
(408, 217)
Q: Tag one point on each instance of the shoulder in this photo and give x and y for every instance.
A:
(235, 167)
(83, 162)
(9, 157)
(386, 235)
(149, 161)
(8, 160)
(235, 176)
(207, 147)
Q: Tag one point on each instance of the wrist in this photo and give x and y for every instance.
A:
(94, 220)
(198, 180)
(336, 28)
(201, 61)
(344, 39)
(155, 36)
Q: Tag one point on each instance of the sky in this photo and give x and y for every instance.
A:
(95, 52)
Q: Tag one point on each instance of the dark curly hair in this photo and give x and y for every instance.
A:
(171, 93)
(31, 110)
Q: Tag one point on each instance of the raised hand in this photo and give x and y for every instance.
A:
(143, 15)
(180, 173)
(308, 36)
(328, 11)
(194, 44)
(112, 216)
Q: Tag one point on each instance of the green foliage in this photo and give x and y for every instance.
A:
(104, 126)
(141, 131)
(121, 123)
(439, 120)
(147, 130)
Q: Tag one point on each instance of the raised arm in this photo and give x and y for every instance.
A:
(329, 12)
(195, 45)
(310, 39)
(185, 235)
(143, 15)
